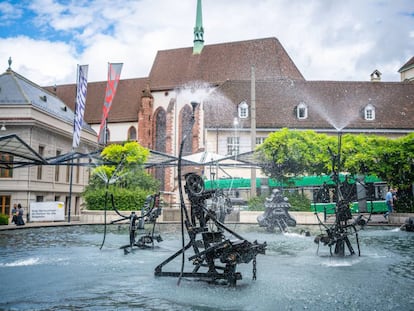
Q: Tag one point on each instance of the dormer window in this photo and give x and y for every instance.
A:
(302, 111)
(369, 112)
(243, 110)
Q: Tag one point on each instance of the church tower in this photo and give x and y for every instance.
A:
(198, 31)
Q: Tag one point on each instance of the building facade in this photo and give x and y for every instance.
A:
(45, 124)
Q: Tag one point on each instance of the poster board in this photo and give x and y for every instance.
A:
(47, 211)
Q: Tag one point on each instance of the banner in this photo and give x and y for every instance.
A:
(81, 89)
(114, 73)
(47, 211)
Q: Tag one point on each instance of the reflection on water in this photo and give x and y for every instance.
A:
(62, 268)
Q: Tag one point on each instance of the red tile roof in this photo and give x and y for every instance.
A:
(221, 62)
(124, 106)
(330, 104)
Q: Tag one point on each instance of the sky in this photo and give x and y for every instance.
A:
(327, 39)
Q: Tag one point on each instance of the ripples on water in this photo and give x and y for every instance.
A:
(62, 268)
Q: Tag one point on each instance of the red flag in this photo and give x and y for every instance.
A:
(114, 73)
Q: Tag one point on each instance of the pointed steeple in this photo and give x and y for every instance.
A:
(198, 31)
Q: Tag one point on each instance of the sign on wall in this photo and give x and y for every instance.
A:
(47, 211)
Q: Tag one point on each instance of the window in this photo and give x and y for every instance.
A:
(108, 135)
(302, 111)
(233, 145)
(67, 173)
(132, 133)
(369, 112)
(40, 167)
(6, 172)
(77, 176)
(5, 204)
(260, 140)
(57, 167)
(243, 110)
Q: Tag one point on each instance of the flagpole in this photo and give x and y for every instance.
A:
(73, 149)
(80, 102)
(70, 186)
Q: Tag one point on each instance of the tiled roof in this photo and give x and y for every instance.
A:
(330, 104)
(17, 90)
(124, 106)
(221, 62)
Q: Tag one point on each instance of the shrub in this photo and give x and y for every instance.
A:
(124, 199)
(4, 219)
(298, 202)
(256, 203)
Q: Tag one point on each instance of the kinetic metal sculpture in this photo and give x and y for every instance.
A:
(149, 213)
(215, 256)
(221, 205)
(276, 213)
(345, 228)
(211, 245)
(408, 225)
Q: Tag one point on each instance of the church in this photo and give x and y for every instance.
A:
(244, 91)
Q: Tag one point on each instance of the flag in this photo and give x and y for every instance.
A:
(81, 88)
(114, 73)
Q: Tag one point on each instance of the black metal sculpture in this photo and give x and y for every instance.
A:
(149, 213)
(211, 244)
(215, 256)
(408, 225)
(345, 228)
(276, 213)
(220, 205)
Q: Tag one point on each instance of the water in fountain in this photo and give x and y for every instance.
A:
(339, 119)
(339, 112)
(215, 103)
(62, 268)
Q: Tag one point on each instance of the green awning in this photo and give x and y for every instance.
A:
(303, 181)
(237, 183)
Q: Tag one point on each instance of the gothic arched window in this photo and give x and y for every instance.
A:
(186, 130)
(132, 133)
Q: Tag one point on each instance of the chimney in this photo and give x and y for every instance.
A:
(376, 76)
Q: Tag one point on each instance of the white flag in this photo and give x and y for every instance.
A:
(81, 88)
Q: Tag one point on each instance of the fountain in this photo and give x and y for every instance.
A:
(345, 228)
(149, 213)
(276, 213)
(62, 268)
(209, 245)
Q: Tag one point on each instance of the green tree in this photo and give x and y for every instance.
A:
(287, 153)
(124, 177)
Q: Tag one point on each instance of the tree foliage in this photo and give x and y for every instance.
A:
(124, 177)
(287, 153)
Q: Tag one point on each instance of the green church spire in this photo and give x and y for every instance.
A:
(198, 31)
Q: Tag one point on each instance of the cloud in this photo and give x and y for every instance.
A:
(49, 63)
(327, 40)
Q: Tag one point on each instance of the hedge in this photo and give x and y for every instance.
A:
(124, 199)
(4, 219)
